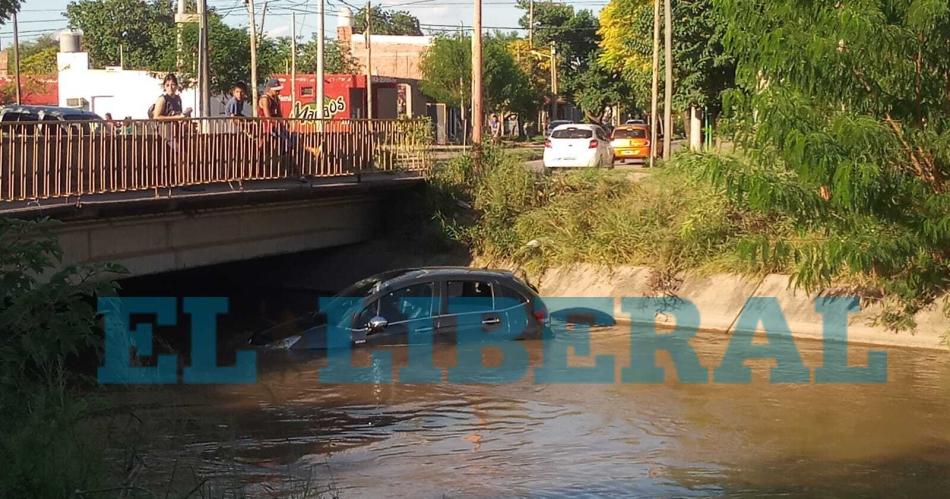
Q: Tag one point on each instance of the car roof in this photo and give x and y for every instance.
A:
(567, 126)
(395, 277)
(49, 110)
(632, 126)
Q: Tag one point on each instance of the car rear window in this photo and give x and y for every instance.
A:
(573, 133)
(630, 133)
(507, 297)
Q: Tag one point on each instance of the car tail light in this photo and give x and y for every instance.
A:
(593, 144)
(547, 143)
(540, 314)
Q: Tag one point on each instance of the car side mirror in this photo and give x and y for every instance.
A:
(377, 324)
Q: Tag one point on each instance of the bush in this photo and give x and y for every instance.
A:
(47, 317)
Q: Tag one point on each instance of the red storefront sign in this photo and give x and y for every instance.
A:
(344, 96)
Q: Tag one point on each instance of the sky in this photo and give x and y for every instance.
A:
(45, 16)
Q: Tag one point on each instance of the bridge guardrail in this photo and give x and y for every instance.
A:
(55, 159)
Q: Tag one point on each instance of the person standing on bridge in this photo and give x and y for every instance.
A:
(168, 111)
(235, 105)
(269, 109)
(168, 105)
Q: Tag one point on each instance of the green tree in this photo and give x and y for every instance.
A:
(48, 317)
(843, 121)
(446, 70)
(534, 63)
(105, 24)
(387, 22)
(145, 31)
(701, 69)
(600, 87)
(38, 57)
(574, 33)
(336, 57)
(446, 75)
(507, 87)
(7, 8)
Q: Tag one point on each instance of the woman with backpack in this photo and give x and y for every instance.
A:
(168, 105)
(167, 108)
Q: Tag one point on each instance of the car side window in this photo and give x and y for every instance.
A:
(506, 298)
(408, 303)
(469, 297)
(14, 117)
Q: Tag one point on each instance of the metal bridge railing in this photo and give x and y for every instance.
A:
(54, 159)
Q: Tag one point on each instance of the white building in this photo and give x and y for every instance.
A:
(120, 92)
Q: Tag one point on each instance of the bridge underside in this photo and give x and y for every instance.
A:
(186, 232)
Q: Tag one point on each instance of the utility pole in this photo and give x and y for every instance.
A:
(668, 98)
(260, 34)
(253, 33)
(531, 24)
(553, 83)
(656, 78)
(369, 62)
(321, 36)
(293, 62)
(477, 74)
(204, 74)
(16, 57)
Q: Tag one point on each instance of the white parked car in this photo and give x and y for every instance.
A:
(578, 145)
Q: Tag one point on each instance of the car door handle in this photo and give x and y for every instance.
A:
(424, 329)
(492, 321)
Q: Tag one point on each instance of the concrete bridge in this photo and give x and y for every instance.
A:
(158, 197)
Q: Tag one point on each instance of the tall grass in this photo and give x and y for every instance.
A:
(671, 220)
(677, 220)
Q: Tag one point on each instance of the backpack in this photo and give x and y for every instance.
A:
(151, 109)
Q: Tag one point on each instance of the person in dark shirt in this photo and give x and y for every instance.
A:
(269, 103)
(269, 109)
(168, 105)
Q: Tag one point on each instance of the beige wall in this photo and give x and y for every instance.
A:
(393, 56)
(393, 60)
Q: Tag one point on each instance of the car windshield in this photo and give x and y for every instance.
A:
(355, 292)
(573, 133)
(630, 133)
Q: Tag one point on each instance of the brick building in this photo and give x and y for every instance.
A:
(397, 58)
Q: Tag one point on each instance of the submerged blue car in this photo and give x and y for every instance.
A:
(424, 304)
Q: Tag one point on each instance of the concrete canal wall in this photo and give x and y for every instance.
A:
(720, 298)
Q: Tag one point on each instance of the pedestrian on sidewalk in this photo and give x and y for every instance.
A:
(494, 125)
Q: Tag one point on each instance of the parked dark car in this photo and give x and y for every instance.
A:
(13, 115)
(554, 124)
(441, 303)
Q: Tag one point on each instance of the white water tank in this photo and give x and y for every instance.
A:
(70, 41)
(344, 18)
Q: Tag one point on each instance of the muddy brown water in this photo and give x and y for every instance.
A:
(291, 434)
